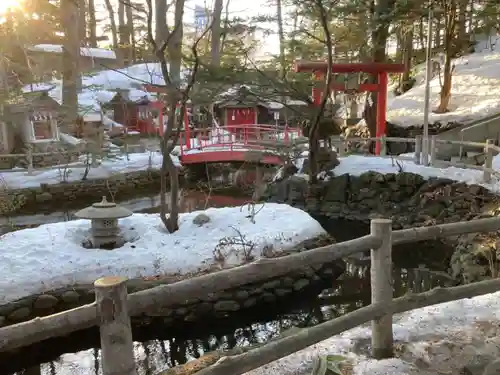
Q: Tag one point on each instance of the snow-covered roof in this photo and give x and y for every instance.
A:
(100, 87)
(98, 53)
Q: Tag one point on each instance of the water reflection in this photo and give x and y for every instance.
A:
(189, 200)
(154, 354)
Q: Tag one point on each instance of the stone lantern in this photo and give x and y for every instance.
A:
(103, 218)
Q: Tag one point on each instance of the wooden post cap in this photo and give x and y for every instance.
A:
(381, 221)
(108, 281)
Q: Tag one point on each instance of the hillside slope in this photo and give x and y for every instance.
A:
(475, 91)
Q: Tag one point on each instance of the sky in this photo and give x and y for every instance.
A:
(237, 8)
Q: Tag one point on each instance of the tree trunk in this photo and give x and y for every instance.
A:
(445, 94)
(82, 22)
(122, 33)
(130, 31)
(407, 59)
(92, 24)
(450, 48)
(462, 39)
(226, 22)
(437, 33)
(112, 22)
(281, 36)
(161, 33)
(380, 33)
(421, 34)
(70, 62)
(174, 48)
(216, 33)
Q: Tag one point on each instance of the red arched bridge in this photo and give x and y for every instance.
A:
(241, 143)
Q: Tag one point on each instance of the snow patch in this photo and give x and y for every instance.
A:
(27, 269)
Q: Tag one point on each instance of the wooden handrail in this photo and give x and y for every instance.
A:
(163, 296)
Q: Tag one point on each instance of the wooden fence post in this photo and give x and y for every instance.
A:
(433, 149)
(117, 351)
(341, 147)
(381, 287)
(488, 164)
(29, 158)
(418, 148)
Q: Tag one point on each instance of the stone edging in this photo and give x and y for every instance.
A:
(14, 200)
(215, 305)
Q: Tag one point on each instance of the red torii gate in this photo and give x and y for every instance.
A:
(381, 70)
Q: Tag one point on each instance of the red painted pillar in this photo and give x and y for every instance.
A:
(317, 91)
(381, 108)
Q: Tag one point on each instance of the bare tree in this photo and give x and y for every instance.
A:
(449, 8)
(92, 24)
(216, 33)
(129, 12)
(82, 22)
(177, 97)
(112, 23)
(314, 134)
(161, 20)
(70, 61)
(281, 36)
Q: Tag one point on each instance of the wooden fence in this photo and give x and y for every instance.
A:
(113, 307)
(488, 147)
(65, 158)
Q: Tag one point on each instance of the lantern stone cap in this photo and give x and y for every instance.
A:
(103, 210)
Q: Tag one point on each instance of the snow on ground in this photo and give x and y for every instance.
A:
(474, 94)
(444, 321)
(356, 165)
(27, 269)
(19, 178)
(419, 332)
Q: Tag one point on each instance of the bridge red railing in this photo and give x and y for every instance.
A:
(236, 137)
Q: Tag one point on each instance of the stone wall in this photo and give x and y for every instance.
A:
(66, 192)
(306, 281)
(410, 201)
(407, 198)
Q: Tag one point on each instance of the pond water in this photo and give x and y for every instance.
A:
(157, 348)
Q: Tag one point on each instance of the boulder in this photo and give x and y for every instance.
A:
(201, 219)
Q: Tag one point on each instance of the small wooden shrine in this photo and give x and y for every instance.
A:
(33, 117)
(137, 113)
(241, 109)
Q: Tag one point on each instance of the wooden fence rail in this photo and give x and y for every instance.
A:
(113, 307)
(488, 147)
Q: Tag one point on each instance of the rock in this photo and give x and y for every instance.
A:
(191, 317)
(226, 306)
(43, 197)
(300, 284)
(70, 297)
(181, 311)
(201, 219)
(273, 284)
(282, 292)
(3, 321)
(252, 301)
(45, 301)
(337, 189)
(268, 297)
(20, 314)
(242, 294)
(204, 308)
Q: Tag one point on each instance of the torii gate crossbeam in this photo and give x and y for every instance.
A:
(380, 70)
